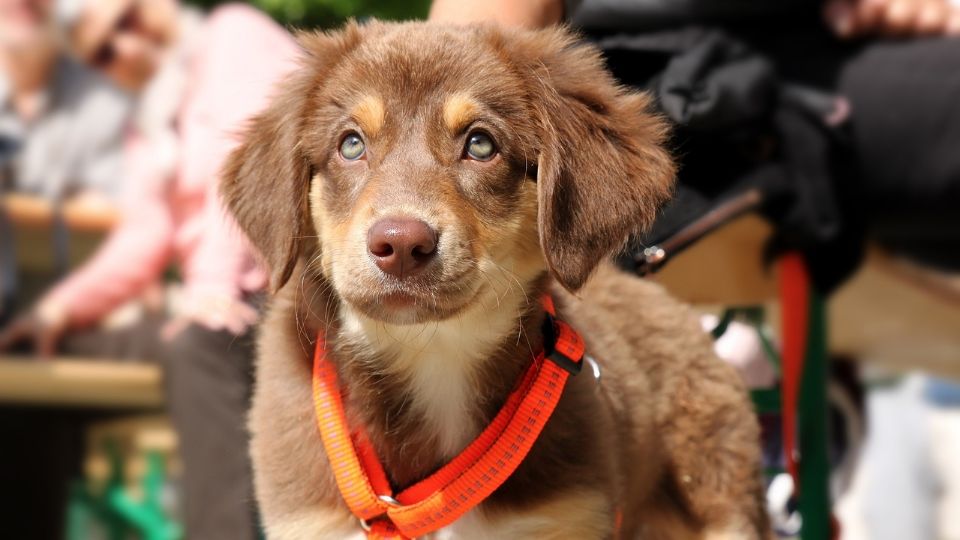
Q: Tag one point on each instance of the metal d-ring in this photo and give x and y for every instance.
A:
(389, 500)
(594, 366)
(365, 525)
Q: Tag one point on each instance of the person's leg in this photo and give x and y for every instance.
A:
(899, 499)
(208, 383)
(134, 342)
(944, 414)
(945, 430)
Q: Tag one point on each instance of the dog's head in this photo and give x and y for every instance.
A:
(413, 161)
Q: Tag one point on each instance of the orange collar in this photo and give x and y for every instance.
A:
(469, 478)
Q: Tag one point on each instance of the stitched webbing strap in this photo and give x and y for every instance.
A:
(468, 479)
(384, 530)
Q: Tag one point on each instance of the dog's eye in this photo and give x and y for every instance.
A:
(480, 147)
(352, 147)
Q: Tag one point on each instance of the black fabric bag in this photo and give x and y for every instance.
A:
(653, 15)
(745, 138)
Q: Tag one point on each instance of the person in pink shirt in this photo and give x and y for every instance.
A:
(197, 80)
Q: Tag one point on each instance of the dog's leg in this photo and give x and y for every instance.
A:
(713, 442)
(295, 487)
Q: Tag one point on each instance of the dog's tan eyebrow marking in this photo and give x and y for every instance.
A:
(369, 113)
(458, 111)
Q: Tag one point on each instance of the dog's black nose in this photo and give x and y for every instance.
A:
(402, 246)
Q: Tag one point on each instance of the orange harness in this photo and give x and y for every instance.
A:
(469, 478)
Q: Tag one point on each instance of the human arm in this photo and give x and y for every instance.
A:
(244, 56)
(529, 14)
(131, 257)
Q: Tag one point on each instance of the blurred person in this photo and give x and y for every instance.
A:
(848, 18)
(60, 123)
(61, 127)
(196, 79)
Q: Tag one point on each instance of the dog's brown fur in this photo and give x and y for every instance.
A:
(667, 436)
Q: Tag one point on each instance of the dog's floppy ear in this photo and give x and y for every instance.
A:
(603, 171)
(266, 180)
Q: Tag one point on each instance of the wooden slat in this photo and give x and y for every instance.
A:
(725, 268)
(890, 313)
(80, 383)
(881, 317)
(82, 214)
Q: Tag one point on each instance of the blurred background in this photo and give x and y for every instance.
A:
(815, 229)
(328, 13)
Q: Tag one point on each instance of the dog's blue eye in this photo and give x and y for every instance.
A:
(480, 147)
(352, 147)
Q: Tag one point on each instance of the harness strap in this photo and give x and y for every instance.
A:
(469, 478)
(383, 530)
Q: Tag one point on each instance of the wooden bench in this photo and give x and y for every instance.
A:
(891, 312)
(34, 231)
(80, 383)
(78, 215)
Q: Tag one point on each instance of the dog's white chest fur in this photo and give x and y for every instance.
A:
(472, 526)
(439, 360)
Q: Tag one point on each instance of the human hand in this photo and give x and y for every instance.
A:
(43, 327)
(212, 311)
(895, 18)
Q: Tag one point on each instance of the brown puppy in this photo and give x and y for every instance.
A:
(415, 190)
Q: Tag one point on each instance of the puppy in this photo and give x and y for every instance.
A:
(416, 191)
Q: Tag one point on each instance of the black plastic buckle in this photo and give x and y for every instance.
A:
(550, 351)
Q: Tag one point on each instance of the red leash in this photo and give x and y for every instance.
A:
(794, 309)
(469, 478)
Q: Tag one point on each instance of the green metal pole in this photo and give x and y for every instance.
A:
(814, 503)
